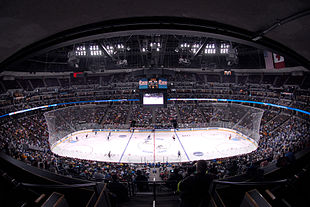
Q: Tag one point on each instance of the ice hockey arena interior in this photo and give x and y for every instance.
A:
(154, 103)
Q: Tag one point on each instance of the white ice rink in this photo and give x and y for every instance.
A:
(127, 147)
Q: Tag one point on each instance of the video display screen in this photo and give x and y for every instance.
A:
(143, 83)
(162, 83)
(153, 83)
(153, 99)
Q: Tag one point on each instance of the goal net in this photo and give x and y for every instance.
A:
(65, 121)
(241, 118)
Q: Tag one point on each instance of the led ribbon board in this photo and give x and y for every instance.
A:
(170, 99)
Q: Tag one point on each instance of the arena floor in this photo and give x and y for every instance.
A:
(159, 146)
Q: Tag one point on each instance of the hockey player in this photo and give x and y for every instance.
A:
(229, 137)
(149, 137)
(179, 154)
(173, 137)
(109, 154)
(108, 137)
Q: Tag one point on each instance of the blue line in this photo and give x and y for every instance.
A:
(126, 147)
(182, 145)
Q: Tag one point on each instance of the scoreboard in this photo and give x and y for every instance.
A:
(143, 83)
(162, 83)
(153, 83)
(153, 91)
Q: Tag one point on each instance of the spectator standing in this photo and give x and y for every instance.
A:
(141, 182)
(195, 188)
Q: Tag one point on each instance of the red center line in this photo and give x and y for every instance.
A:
(154, 146)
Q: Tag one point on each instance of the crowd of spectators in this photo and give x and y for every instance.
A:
(142, 115)
(268, 115)
(164, 116)
(26, 138)
(190, 114)
(275, 122)
(117, 115)
(189, 85)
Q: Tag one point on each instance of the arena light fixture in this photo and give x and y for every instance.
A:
(120, 47)
(185, 46)
(195, 48)
(224, 48)
(210, 49)
(80, 51)
(155, 46)
(110, 49)
(95, 51)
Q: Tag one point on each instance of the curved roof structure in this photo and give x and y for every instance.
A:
(30, 26)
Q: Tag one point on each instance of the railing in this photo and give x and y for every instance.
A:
(276, 182)
(40, 190)
(83, 185)
(218, 199)
(151, 188)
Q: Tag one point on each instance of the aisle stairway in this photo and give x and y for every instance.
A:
(155, 175)
(147, 200)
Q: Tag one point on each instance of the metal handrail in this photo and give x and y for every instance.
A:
(250, 183)
(83, 185)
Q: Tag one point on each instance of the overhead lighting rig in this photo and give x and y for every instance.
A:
(110, 49)
(152, 46)
(195, 47)
(99, 50)
(210, 49)
(224, 48)
(80, 51)
(95, 51)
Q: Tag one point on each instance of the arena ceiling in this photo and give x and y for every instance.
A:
(29, 27)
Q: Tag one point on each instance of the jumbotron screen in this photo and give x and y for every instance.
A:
(153, 99)
(153, 83)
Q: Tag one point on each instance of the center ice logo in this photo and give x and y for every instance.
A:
(198, 154)
(147, 146)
